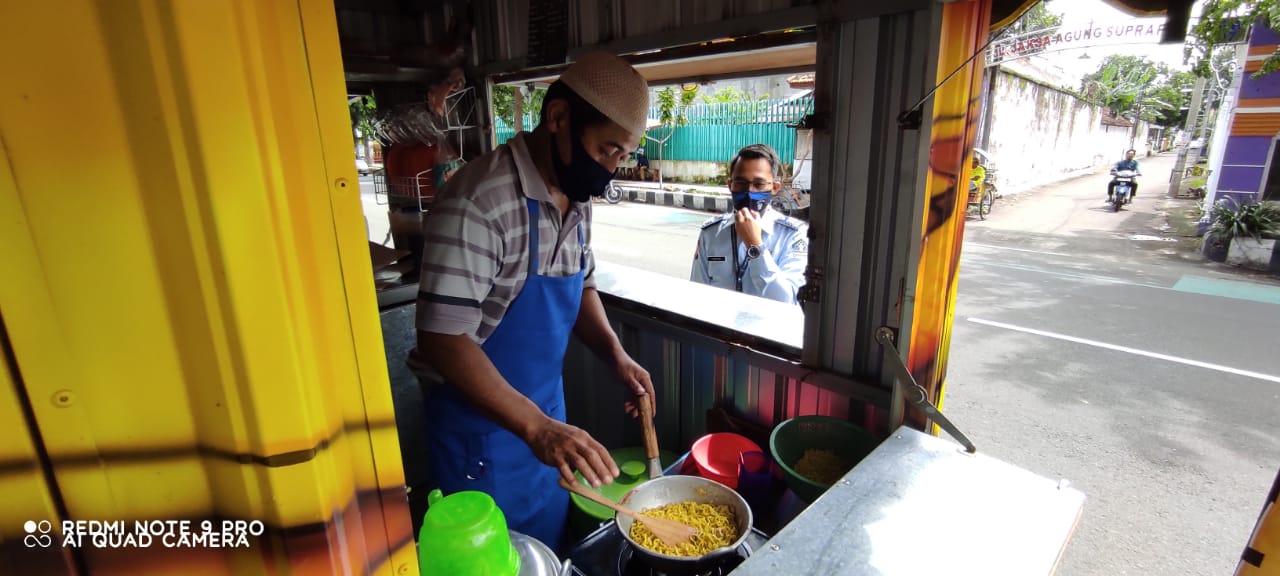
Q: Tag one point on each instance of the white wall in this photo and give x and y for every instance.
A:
(688, 170)
(1222, 130)
(775, 87)
(1041, 135)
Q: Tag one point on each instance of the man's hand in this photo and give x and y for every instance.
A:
(570, 448)
(748, 225)
(635, 377)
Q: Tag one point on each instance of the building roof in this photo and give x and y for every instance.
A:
(801, 81)
(1110, 118)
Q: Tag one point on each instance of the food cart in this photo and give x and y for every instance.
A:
(206, 343)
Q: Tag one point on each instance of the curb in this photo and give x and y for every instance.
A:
(703, 202)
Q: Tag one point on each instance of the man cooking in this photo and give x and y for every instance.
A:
(507, 275)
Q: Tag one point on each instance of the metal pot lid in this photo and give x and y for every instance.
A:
(536, 559)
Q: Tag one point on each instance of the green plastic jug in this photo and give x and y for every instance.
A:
(465, 534)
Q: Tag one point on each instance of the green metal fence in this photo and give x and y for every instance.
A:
(715, 132)
(504, 131)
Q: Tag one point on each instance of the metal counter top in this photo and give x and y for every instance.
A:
(919, 505)
(725, 309)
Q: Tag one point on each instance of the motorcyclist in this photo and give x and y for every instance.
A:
(1127, 164)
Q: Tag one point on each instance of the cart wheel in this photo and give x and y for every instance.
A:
(984, 205)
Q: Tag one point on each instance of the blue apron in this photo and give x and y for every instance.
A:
(470, 452)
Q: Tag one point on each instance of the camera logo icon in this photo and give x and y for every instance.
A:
(37, 534)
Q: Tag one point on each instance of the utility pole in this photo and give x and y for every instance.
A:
(1193, 120)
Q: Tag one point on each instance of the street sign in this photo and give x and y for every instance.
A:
(1128, 31)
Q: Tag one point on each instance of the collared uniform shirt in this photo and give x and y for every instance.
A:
(777, 274)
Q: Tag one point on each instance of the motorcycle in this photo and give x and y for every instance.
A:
(1122, 188)
(613, 194)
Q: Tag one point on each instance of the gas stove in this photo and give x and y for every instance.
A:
(606, 553)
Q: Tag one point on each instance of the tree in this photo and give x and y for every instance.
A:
(671, 113)
(671, 108)
(1224, 22)
(1119, 80)
(728, 94)
(504, 99)
(1037, 18)
(1170, 91)
(1138, 88)
(364, 111)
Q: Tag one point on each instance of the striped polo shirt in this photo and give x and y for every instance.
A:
(476, 253)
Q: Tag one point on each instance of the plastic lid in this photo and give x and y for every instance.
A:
(633, 468)
(635, 471)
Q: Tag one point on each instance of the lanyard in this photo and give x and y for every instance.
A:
(739, 269)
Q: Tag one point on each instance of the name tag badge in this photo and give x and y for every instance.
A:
(715, 258)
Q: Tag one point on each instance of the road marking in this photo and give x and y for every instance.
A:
(1234, 289)
(1135, 351)
(618, 251)
(1077, 276)
(980, 245)
(1264, 293)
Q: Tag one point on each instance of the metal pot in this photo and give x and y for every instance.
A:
(670, 490)
(536, 558)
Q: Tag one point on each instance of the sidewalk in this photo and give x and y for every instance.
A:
(673, 187)
(677, 195)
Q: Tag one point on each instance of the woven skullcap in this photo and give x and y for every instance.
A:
(613, 87)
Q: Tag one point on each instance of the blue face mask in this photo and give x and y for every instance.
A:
(757, 201)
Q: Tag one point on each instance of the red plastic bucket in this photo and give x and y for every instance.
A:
(717, 456)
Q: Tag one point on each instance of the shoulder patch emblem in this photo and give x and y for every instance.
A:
(801, 245)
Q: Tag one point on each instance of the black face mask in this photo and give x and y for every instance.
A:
(582, 177)
(757, 201)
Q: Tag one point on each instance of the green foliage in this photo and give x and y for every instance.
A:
(672, 105)
(1170, 91)
(1037, 18)
(364, 110)
(1253, 220)
(1135, 86)
(1225, 22)
(729, 94)
(504, 103)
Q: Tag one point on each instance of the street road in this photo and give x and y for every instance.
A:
(1092, 346)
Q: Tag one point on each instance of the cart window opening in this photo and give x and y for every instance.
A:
(662, 231)
(665, 231)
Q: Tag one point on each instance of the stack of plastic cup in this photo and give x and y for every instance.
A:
(755, 476)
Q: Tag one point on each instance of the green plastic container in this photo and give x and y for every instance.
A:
(585, 515)
(465, 534)
(790, 439)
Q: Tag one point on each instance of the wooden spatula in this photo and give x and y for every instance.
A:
(650, 436)
(671, 532)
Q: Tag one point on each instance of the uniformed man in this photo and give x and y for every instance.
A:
(753, 249)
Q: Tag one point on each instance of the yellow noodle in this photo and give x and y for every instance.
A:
(822, 466)
(716, 523)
